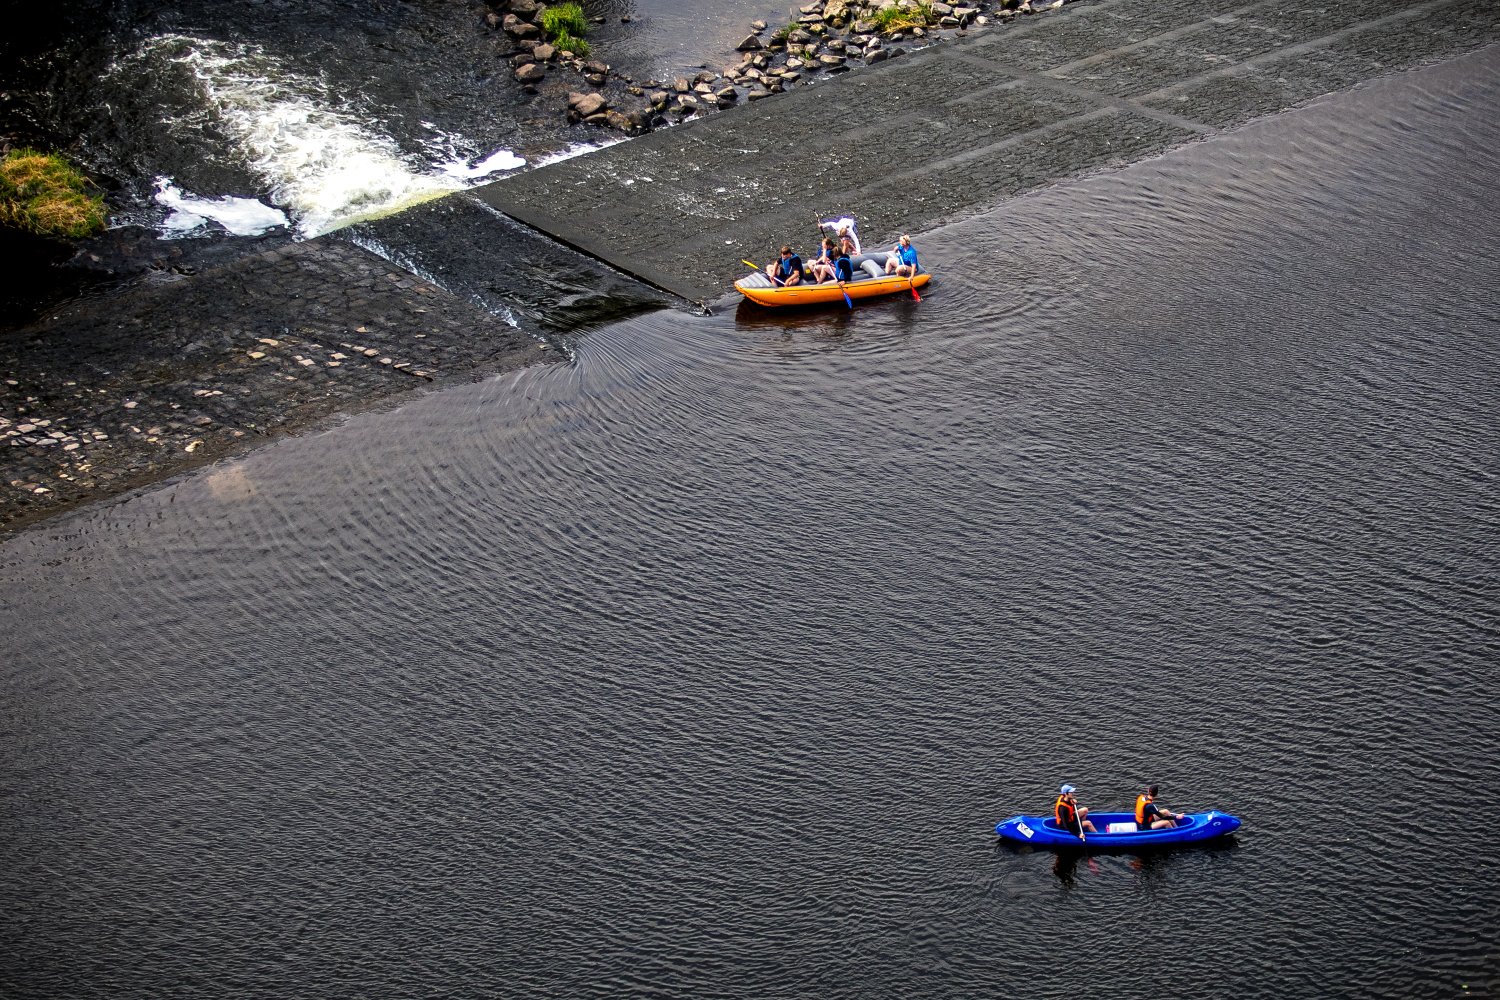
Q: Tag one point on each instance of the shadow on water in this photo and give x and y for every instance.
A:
(1151, 865)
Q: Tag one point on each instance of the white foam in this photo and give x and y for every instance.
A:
(500, 159)
(320, 164)
(190, 214)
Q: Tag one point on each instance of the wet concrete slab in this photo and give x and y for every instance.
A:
(106, 395)
(958, 128)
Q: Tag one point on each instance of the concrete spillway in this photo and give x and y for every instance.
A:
(963, 125)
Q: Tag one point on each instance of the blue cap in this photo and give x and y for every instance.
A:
(1067, 789)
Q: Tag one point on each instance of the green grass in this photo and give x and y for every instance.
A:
(564, 20)
(568, 43)
(42, 193)
(893, 19)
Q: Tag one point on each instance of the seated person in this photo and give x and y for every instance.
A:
(1150, 816)
(787, 270)
(902, 260)
(1070, 815)
(822, 265)
(843, 267)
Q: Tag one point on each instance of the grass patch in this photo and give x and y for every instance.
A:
(43, 193)
(893, 19)
(564, 20)
(568, 43)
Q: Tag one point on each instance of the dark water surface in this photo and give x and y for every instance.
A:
(703, 666)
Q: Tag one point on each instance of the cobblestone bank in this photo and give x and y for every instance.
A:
(101, 397)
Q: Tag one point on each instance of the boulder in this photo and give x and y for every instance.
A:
(588, 105)
(596, 67)
(757, 95)
(750, 44)
(616, 120)
(544, 52)
(757, 26)
(658, 99)
(681, 85)
(525, 9)
(530, 73)
(492, 20)
(727, 96)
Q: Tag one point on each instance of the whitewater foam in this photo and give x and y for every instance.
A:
(323, 166)
(190, 214)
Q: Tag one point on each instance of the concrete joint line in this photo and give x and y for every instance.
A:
(958, 159)
(1311, 45)
(1167, 36)
(1072, 89)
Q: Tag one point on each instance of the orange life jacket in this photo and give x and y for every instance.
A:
(1140, 808)
(1065, 814)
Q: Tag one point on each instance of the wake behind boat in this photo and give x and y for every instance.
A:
(760, 289)
(1117, 831)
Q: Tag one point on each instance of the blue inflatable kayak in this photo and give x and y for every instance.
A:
(1043, 831)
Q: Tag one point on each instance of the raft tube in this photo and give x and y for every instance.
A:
(761, 290)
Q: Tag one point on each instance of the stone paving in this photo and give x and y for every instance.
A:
(958, 128)
(106, 395)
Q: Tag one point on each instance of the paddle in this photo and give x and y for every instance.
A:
(756, 269)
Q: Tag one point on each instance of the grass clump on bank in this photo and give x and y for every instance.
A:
(43, 193)
(891, 19)
(565, 26)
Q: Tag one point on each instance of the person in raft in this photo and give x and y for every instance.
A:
(1070, 815)
(843, 229)
(822, 264)
(787, 270)
(1149, 815)
(846, 232)
(902, 261)
(843, 267)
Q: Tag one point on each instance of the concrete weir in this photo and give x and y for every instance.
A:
(961, 126)
(104, 394)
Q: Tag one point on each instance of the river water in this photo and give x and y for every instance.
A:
(703, 665)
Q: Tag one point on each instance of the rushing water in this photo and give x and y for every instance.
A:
(704, 664)
(223, 128)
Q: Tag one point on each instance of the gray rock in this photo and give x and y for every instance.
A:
(750, 44)
(589, 105)
(530, 73)
(527, 9)
(544, 52)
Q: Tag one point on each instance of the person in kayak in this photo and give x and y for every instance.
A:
(787, 270)
(1070, 815)
(902, 261)
(1149, 815)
